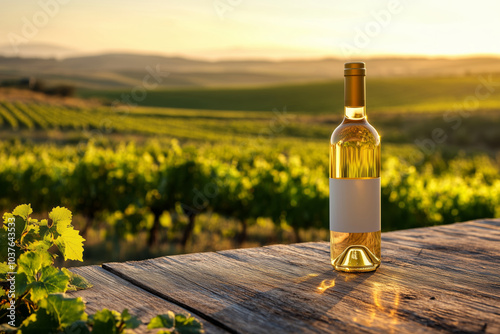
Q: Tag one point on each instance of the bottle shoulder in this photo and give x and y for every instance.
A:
(355, 131)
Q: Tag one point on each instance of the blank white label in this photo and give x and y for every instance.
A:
(355, 205)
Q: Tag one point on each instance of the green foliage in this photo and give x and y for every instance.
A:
(37, 278)
(41, 306)
(122, 185)
(162, 321)
(112, 322)
(76, 282)
(175, 324)
(54, 314)
(32, 235)
(244, 165)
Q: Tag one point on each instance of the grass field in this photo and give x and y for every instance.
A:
(388, 95)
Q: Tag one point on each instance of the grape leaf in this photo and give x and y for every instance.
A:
(76, 282)
(21, 283)
(162, 321)
(176, 324)
(61, 218)
(31, 263)
(23, 210)
(4, 269)
(54, 314)
(39, 246)
(20, 225)
(40, 322)
(70, 243)
(32, 234)
(78, 327)
(52, 280)
(130, 321)
(187, 325)
(4, 243)
(104, 322)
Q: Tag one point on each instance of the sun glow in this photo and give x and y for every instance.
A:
(263, 29)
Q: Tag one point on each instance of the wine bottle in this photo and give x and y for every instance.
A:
(355, 181)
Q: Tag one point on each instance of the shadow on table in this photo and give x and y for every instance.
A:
(295, 305)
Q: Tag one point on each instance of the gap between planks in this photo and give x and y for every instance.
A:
(113, 292)
(154, 292)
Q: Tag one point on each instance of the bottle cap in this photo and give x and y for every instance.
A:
(354, 68)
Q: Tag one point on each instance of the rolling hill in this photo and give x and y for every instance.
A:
(116, 71)
(421, 94)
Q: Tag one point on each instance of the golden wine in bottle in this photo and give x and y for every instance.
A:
(355, 181)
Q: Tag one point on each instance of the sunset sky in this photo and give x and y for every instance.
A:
(259, 28)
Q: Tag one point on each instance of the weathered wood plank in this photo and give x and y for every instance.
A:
(477, 234)
(409, 285)
(421, 286)
(112, 292)
(492, 224)
(424, 299)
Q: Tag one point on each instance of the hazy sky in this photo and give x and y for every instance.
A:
(279, 28)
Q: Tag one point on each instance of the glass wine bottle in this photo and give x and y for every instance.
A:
(355, 181)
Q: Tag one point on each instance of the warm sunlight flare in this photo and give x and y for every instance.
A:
(252, 29)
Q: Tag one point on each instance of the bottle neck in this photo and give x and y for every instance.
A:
(355, 113)
(354, 96)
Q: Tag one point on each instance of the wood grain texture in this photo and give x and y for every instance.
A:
(112, 292)
(435, 279)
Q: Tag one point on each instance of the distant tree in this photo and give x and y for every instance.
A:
(61, 90)
(38, 86)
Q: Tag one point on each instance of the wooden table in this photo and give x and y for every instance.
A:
(435, 279)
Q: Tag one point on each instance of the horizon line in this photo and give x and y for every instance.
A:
(191, 56)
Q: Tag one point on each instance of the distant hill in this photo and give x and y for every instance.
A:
(118, 71)
(37, 50)
(394, 95)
